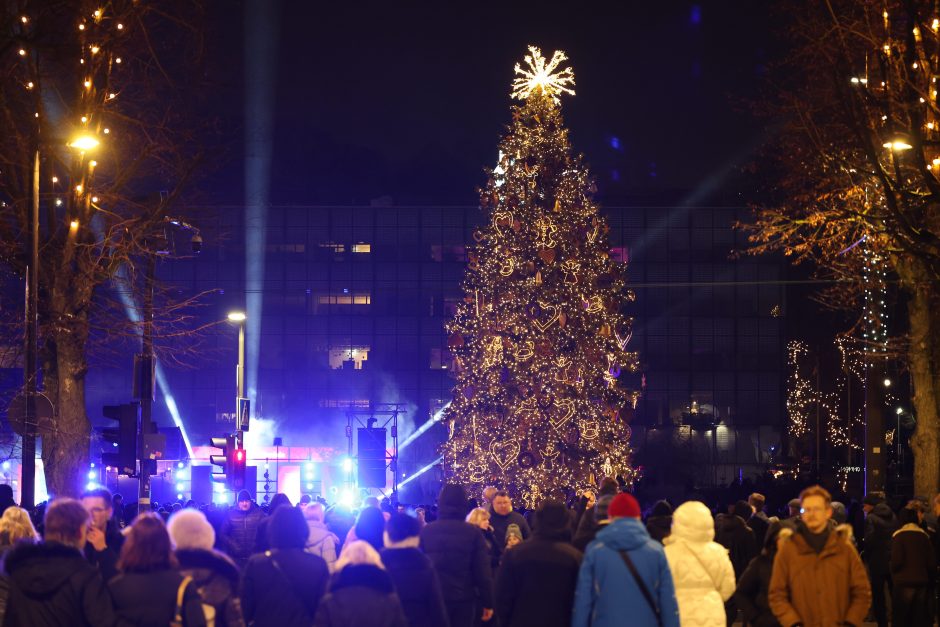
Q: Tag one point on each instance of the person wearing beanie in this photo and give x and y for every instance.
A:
(659, 522)
(239, 532)
(590, 525)
(608, 593)
(536, 580)
(283, 586)
(418, 587)
(513, 536)
(215, 576)
(701, 570)
(458, 551)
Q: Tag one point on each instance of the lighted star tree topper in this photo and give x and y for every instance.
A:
(543, 393)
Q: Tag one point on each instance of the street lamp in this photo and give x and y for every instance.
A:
(31, 336)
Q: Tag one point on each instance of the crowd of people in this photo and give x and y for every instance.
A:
(595, 560)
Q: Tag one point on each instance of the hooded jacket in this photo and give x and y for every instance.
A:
(607, 594)
(701, 570)
(818, 590)
(880, 524)
(215, 577)
(282, 588)
(458, 551)
(360, 595)
(52, 584)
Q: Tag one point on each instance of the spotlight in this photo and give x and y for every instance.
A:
(887, 382)
(347, 464)
(180, 465)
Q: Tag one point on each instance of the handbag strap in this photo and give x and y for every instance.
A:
(304, 599)
(625, 556)
(180, 593)
(702, 564)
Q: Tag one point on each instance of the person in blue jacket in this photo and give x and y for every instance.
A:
(608, 594)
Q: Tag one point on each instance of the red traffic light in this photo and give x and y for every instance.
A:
(240, 455)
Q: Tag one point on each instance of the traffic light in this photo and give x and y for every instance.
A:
(123, 439)
(225, 460)
(239, 461)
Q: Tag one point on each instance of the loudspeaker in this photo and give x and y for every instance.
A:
(371, 470)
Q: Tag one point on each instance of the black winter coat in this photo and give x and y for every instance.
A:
(215, 577)
(751, 593)
(52, 584)
(913, 563)
(418, 587)
(361, 596)
(283, 588)
(733, 533)
(759, 523)
(501, 523)
(536, 583)
(880, 524)
(149, 599)
(458, 551)
(240, 531)
(106, 561)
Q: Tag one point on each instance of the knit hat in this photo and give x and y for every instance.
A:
(661, 508)
(873, 498)
(623, 506)
(243, 496)
(189, 529)
(452, 503)
(600, 508)
(514, 530)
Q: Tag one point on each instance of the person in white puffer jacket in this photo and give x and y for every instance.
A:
(701, 568)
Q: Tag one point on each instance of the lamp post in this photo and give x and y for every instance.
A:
(239, 318)
(83, 143)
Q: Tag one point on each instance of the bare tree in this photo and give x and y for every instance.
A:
(855, 185)
(124, 74)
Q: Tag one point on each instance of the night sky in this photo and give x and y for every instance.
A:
(375, 99)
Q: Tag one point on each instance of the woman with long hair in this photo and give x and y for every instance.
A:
(16, 526)
(150, 591)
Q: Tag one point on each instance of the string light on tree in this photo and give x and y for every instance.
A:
(543, 395)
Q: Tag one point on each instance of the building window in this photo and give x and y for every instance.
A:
(441, 359)
(336, 248)
(348, 358)
(362, 248)
(448, 253)
(344, 299)
(620, 254)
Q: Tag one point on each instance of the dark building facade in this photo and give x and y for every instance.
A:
(354, 305)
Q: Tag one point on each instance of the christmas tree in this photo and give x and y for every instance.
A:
(540, 338)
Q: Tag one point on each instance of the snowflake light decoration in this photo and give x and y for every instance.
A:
(542, 75)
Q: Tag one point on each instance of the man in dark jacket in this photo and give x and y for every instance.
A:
(503, 515)
(104, 537)
(51, 583)
(413, 574)
(880, 525)
(536, 581)
(240, 529)
(458, 551)
(589, 526)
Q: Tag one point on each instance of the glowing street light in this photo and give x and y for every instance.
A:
(237, 316)
(84, 143)
(897, 145)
